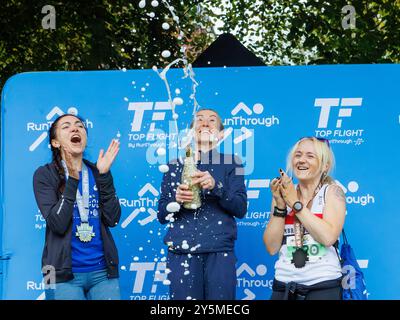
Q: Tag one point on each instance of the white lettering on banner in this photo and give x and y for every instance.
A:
(327, 104)
(140, 205)
(240, 121)
(142, 269)
(139, 109)
(45, 126)
(257, 215)
(337, 134)
(254, 187)
(246, 120)
(256, 183)
(243, 282)
(40, 222)
(32, 285)
(352, 187)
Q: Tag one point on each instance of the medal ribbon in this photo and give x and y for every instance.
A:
(81, 200)
(298, 226)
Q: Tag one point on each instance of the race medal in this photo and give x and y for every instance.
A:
(300, 255)
(299, 258)
(85, 232)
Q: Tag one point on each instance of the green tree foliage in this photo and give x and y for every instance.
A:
(96, 34)
(311, 31)
(105, 34)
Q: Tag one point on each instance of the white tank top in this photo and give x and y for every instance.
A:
(323, 263)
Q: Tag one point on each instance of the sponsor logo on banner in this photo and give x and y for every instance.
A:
(148, 277)
(43, 127)
(243, 115)
(249, 279)
(255, 218)
(353, 196)
(40, 222)
(335, 123)
(145, 205)
(137, 137)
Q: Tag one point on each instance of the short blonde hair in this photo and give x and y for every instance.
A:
(324, 154)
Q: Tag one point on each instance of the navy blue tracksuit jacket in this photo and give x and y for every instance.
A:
(212, 228)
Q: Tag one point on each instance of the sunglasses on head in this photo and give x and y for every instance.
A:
(319, 139)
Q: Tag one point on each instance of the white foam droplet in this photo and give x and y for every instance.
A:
(185, 246)
(136, 259)
(143, 89)
(177, 91)
(123, 69)
(154, 68)
(219, 222)
(178, 101)
(142, 4)
(161, 151)
(175, 116)
(154, 3)
(123, 268)
(173, 207)
(186, 272)
(141, 249)
(166, 282)
(152, 14)
(188, 298)
(163, 168)
(126, 99)
(142, 209)
(165, 26)
(166, 54)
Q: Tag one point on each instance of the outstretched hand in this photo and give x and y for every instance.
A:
(105, 160)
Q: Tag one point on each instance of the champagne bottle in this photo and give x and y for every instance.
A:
(189, 168)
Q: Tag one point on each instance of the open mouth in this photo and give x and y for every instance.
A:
(302, 168)
(76, 139)
(204, 131)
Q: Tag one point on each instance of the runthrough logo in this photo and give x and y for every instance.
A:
(353, 196)
(45, 126)
(141, 204)
(242, 115)
(243, 281)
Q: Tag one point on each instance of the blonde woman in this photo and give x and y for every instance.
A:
(306, 222)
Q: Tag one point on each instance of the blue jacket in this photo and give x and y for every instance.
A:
(212, 228)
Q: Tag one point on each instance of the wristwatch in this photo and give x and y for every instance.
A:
(280, 212)
(297, 206)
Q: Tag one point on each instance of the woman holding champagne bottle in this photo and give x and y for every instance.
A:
(201, 199)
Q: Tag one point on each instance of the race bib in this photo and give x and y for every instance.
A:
(314, 249)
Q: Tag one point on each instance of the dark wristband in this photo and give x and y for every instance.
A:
(280, 212)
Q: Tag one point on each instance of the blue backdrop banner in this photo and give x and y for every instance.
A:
(265, 111)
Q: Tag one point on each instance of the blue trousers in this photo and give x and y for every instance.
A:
(205, 276)
(86, 286)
